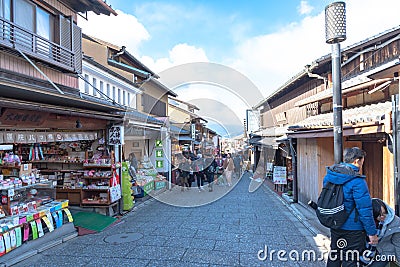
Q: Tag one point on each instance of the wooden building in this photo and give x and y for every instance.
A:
(304, 105)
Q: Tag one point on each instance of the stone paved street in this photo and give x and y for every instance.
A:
(229, 231)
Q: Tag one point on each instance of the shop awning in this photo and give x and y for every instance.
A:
(267, 141)
(328, 93)
(184, 138)
(177, 130)
(356, 121)
(26, 105)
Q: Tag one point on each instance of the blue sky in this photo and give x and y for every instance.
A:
(215, 25)
(268, 41)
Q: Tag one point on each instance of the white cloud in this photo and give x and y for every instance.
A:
(121, 30)
(271, 60)
(178, 55)
(304, 8)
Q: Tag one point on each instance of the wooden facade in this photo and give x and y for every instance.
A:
(369, 76)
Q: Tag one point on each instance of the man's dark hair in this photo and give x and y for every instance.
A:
(353, 153)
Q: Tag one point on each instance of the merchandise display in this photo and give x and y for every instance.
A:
(147, 177)
(39, 181)
(31, 224)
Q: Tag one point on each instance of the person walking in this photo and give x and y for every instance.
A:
(211, 167)
(184, 168)
(229, 168)
(199, 172)
(388, 225)
(237, 166)
(352, 235)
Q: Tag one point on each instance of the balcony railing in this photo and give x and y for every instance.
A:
(14, 36)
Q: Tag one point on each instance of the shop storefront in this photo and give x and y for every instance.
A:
(147, 151)
(51, 159)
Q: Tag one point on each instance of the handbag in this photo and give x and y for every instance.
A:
(115, 188)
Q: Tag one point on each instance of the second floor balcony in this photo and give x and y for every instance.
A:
(67, 57)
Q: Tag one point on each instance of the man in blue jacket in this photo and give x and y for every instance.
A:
(351, 237)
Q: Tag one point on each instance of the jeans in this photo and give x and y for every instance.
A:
(346, 247)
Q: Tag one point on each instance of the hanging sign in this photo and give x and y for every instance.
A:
(116, 135)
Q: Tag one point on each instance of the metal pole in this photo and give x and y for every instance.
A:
(335, 32)
(337, 104)
(294, 171)
(395, 146)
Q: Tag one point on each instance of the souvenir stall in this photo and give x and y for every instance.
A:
(145, 151)
(49, 162)
(29, 207)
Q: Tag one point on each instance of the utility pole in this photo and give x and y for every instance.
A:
(335, 32)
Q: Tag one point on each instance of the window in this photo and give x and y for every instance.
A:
(94, 86)
(101, 87)
(129, 100)
(124, 98)
(108, 90)
(34, 19)
(119, 95)
(113, 93)
(87, 85)
(25, 14)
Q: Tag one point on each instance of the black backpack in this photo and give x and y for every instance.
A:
(330, 206)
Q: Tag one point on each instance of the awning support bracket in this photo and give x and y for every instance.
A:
(40, 71)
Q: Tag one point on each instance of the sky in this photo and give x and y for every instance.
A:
(265, 40)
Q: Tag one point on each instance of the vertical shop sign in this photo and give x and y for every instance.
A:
(193, 131)
(116, 135)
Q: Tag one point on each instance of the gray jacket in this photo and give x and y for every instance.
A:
(389, 235)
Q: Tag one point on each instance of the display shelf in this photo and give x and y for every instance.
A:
(85, 165)
(97, 177)
(56, 161)
(73, 195)
(95, 189)
(40, 184)
(21, 196)
(9, 167)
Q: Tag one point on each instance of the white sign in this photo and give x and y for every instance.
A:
(279, 175)
(193, 131)
(116, 135)
(252, 120)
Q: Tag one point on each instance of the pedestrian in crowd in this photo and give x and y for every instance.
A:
(388, 225)
(357, 199)
(229, 168)
(184, 169)
(237, 162)
(220, 170)
(211, 167)
(191, 172)
(199, 172)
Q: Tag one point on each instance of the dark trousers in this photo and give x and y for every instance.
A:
(199, 178)
(344, 247)
(210, 179)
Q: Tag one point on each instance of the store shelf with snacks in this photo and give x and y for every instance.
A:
(97, 185)
(18, 231)
(17, 199)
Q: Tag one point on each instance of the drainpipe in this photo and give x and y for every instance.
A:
(294, 170)
(395, 145)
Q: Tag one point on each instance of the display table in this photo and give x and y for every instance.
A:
(32, 225)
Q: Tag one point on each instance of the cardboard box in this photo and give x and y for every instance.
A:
(25, 169)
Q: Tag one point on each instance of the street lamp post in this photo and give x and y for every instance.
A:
(335, 32)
